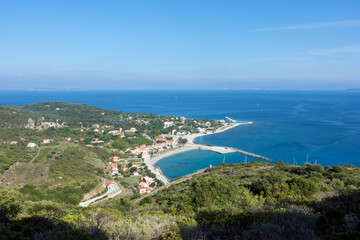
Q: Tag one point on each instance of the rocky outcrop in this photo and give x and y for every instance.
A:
(31, 124)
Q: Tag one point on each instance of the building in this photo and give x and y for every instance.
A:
(135, 173)
(182, 119)
(115, 158)
(142, 190)
(111, 186)
(31, 145)
(46, 141)
(168, 124)
(147, 180)
(114, 169)
(133, 130)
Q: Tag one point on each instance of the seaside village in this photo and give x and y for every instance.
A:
(129, 160)
(121, 167)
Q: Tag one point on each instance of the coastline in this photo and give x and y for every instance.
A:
(191, 137)
(190, 145)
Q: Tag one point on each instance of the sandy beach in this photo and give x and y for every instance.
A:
(190, 145)
(191, 137)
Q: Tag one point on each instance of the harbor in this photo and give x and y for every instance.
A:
(190, 145)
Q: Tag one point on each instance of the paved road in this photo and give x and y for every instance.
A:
(103, 197)
(170, 184)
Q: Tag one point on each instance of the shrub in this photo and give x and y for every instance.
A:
(337, 169)
(10, 207)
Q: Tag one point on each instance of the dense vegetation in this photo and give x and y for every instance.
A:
(65, 170)
(236, 201)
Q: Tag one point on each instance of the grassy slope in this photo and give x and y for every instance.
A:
(62, 173)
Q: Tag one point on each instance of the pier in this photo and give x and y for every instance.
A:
(231, 120)
(224, 150)
(252, 154)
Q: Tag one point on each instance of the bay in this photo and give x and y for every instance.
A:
(288, 125)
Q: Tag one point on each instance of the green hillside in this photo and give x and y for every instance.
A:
(236, 201)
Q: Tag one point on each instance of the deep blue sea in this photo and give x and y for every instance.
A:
(288, 125)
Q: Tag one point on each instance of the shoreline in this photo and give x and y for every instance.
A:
(190, 145)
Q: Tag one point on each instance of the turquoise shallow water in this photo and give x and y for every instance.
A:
(287, 124)
(187, 162)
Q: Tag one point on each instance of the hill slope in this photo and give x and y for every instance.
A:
(237, 201)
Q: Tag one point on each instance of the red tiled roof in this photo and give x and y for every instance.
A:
(108, 183)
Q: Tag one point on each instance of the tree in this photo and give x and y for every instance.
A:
(183, 140)
(10, 206)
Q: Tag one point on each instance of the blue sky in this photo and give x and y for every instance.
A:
(180, 44)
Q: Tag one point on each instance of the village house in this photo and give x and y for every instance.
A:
(182, 119)
(114, 169)
(143, 189)
(46, 141)
(115, 158)
(168, 124)
(111, 186)
(145, 155)
(67, 139)
(125, 169)
(96, 140)
(135, 173)
(114, 132)
(144, 184)
(200, 130)
(31, 145)
(95, 126)
(147, 180)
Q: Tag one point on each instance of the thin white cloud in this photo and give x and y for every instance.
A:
(335, 51)
(337, 24)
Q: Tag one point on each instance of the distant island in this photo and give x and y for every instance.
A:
(57, 89)
(353, 90)
(73, 171)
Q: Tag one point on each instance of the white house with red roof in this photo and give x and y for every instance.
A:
(111, 185)
(115, 158)
(143, 189)
(114, 169)
(135, 173)
(46, 141)
(114, 132)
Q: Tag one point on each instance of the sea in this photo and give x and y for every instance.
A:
(318, 127)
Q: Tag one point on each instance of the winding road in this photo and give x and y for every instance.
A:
(170, 184)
